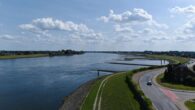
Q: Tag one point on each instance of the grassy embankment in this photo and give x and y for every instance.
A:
(22, 56)
(118, 92)
(171, 59)
(175, 60)
(115, 95)
(89, 100)
(190, 104)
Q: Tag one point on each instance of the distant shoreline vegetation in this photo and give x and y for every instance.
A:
(33, 54)
(65, 52)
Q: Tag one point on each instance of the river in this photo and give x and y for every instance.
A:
(42, 83)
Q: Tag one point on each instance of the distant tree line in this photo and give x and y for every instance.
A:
(189, 54)
(62, 52)
(50, 53)
(65, 52)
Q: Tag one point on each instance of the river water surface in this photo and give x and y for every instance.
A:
(42, 83)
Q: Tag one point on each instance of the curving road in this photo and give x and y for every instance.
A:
(163, 98)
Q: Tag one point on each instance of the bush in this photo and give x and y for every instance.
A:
(194, 67)
(189, 81)
(145, 103)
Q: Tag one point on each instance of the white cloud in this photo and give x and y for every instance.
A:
(44, 25)
(183, 10)
(155, 24)
(32, 28)
(135, 24)
(119, 28)
(150, 31)
(104, 18)
(137, 15)
(186, 32)
(147, 31)
(6, 37)
(189, 27)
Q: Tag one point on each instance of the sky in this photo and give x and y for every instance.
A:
(108, 25)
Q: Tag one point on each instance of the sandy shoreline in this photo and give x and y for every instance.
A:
(75, 99)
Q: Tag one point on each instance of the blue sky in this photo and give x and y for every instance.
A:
(97, 25)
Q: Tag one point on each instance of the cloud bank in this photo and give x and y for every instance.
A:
(183, 10)
(44, 26)
(135, 25)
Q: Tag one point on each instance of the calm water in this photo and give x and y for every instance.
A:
(42, 83)
(145, 61)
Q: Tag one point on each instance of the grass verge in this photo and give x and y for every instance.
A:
(22, 56)
(190, 104)
(160, 81)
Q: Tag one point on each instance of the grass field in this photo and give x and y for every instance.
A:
(115, 95)
(23, 56)
(190, 104)
(171, 59)
(173, 86)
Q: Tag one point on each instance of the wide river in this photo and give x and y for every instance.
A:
(42, 83)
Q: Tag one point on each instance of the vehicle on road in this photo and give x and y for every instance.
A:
(149, 83)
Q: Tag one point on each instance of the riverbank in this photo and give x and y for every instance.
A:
(75, 100)
(22, 56)
(33, 54)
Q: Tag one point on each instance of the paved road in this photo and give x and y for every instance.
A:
(156, 94)
(163, 98)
